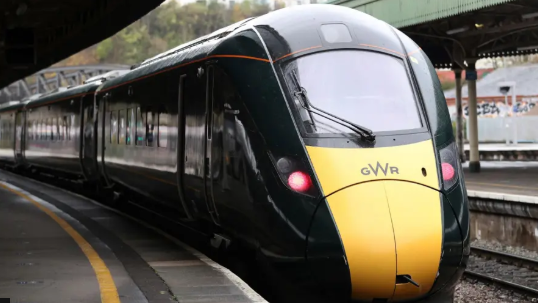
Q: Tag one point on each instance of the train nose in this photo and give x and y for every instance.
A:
(391, 232)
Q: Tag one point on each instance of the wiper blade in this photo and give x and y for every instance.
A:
(364, 132)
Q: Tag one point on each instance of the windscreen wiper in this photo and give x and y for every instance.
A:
(364, 132)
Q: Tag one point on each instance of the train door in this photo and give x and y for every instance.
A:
(212, 151)
(87, 136)
(189, 212)
(192, 139)
(19, 136)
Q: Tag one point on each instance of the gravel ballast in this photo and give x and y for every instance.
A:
(470, 290)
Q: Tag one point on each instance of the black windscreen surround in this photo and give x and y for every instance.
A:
(363, 87)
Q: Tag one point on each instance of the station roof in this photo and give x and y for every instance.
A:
(525, 77)
(35, 34)
(452, 30)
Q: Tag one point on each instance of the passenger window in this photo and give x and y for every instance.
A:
(54, 131)
(164, 122)
(140, 128)
(130, 119)
(150, 127)
(65, 128)
(121, 131)
(70, 125)
(29, 133)
(57, 129)
(113, 127)
(49, 129)
(53, 134)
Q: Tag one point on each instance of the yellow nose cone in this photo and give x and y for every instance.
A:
(390, 230)
(388, 213)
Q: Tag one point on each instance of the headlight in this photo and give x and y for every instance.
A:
(449, 165)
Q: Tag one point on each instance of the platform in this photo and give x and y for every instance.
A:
(505, 152)
(515, 178)
(504, 147)
(56, 246)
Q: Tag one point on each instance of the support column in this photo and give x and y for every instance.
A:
(459, 116)
(471, 76)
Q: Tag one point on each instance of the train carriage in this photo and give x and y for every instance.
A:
(11, 130)
(315, 137)
(61, 133)
(271, 149)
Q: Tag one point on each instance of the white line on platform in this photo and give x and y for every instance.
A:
(504, 147)
(502, 197)
(245, 288)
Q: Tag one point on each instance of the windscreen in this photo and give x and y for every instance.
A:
(366, 88)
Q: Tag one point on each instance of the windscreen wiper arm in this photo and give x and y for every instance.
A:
(361, 130)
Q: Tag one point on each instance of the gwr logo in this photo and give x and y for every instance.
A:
(393, 169)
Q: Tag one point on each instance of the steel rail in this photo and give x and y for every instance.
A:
(508, 259)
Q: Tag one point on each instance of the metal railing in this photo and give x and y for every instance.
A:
(52, 78)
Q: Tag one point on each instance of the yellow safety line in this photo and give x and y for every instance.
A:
(499, 185)
(109, 293)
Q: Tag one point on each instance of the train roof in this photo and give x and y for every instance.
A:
(291, 30)
(11, 106)
(64, 93)
(197, 52)
(191, 51)
(299, 29)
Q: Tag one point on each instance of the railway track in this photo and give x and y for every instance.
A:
(513, 272)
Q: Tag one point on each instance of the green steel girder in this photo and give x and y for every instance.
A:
(427, 22)
(404, 13)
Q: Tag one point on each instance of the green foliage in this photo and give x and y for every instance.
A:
(447, 85)
(168, 26)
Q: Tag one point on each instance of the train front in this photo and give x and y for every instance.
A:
(376, 129)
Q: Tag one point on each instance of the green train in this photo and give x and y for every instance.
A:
(315, 137)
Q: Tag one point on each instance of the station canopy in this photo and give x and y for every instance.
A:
(35, 34)
(450, 31)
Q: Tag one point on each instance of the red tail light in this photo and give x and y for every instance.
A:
(450, 165)
(448, 171)
(299, 181)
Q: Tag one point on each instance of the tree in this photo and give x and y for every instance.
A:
(166, 27)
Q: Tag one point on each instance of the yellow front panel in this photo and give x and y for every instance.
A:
(363, 218)
(416, 218)
(340, 167)
(379, 221)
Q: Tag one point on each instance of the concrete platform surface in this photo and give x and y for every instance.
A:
(515, 178)
(56, 246)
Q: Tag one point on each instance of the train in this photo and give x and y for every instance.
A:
(316, 137)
